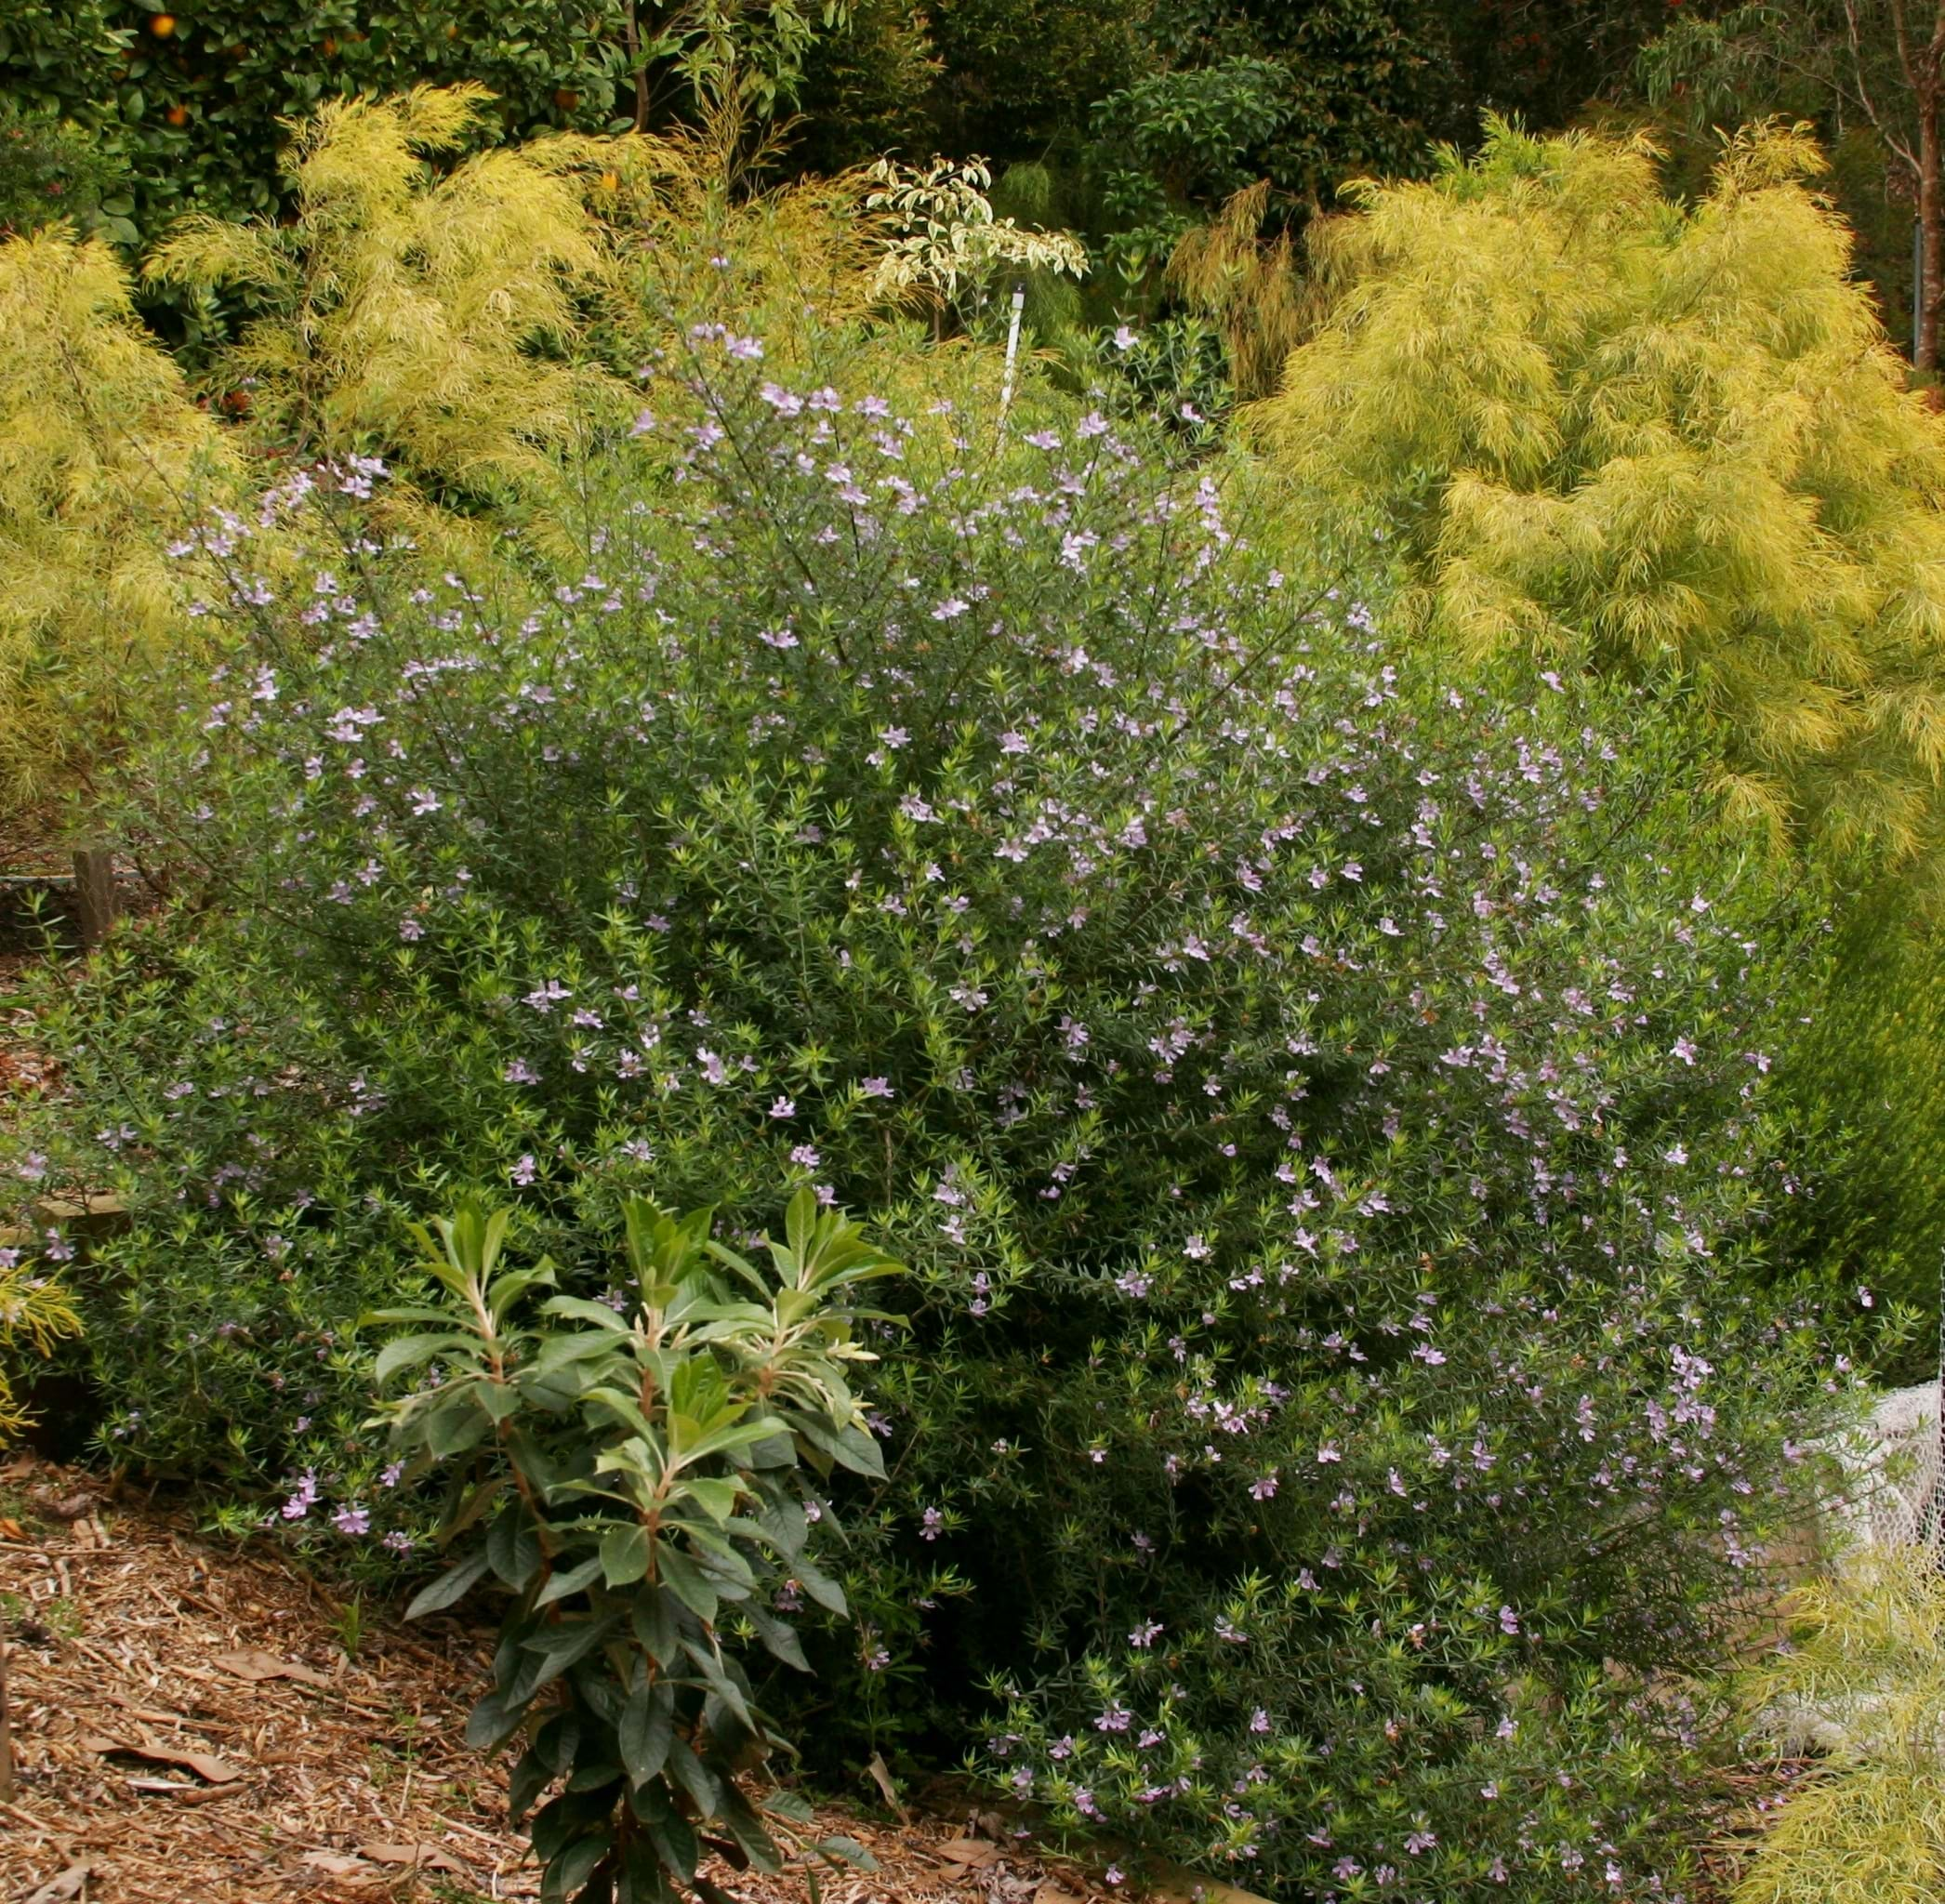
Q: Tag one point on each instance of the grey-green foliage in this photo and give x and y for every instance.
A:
(630, 1471)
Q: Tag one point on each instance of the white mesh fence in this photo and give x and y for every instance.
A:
(1894, 1497)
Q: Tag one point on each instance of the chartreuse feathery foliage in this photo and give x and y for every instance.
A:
(1868, 1826)
(35, 1310)
(1666, 439)
(469, 329)
(1246, 283)
(471, 325)
(421, 316)
(103, 456)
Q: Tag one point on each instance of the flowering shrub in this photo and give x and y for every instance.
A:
(626, 1469)
(1322, 1106)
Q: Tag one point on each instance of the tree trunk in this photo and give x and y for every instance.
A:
(1931, 251)
(1931, 219)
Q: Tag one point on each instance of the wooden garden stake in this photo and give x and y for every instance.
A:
(95, 898)
(6, 1737)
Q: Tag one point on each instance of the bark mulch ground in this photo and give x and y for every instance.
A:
(192, 1724)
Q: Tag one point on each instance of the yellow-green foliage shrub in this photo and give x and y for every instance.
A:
(35, 1313)
(1868, 1825)
(473, 324)
(1667, 438)
(103, 453)
(476, 328)
(426, 317)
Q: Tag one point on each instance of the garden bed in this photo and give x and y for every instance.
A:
(191, 1722)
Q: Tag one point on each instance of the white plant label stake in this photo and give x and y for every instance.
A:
(1012, 348)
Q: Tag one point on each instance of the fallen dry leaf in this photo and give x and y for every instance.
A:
(204, 1765)
(10, 1529)
(1051, 1893)
(420, 1856)
(881, 1777)
(254, 1665)
(974, 1851)
(332, 1863)
(67, 1884)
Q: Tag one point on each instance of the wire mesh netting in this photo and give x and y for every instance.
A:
(1893, 1498)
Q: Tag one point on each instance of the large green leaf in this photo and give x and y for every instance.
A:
(624, 1553)
(647, 1727)
(448, 1587)
(687, 1582)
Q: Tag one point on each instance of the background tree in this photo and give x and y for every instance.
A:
(50, 169)
(1853, 64)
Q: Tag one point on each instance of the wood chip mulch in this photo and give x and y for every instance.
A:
(188, 1724)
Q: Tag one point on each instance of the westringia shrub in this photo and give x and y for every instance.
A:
(1321, 1100)
(628, 1469)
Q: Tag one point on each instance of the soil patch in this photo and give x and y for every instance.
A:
(194, 1722)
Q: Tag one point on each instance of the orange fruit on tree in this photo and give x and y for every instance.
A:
(176, 115)
(161, 24)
